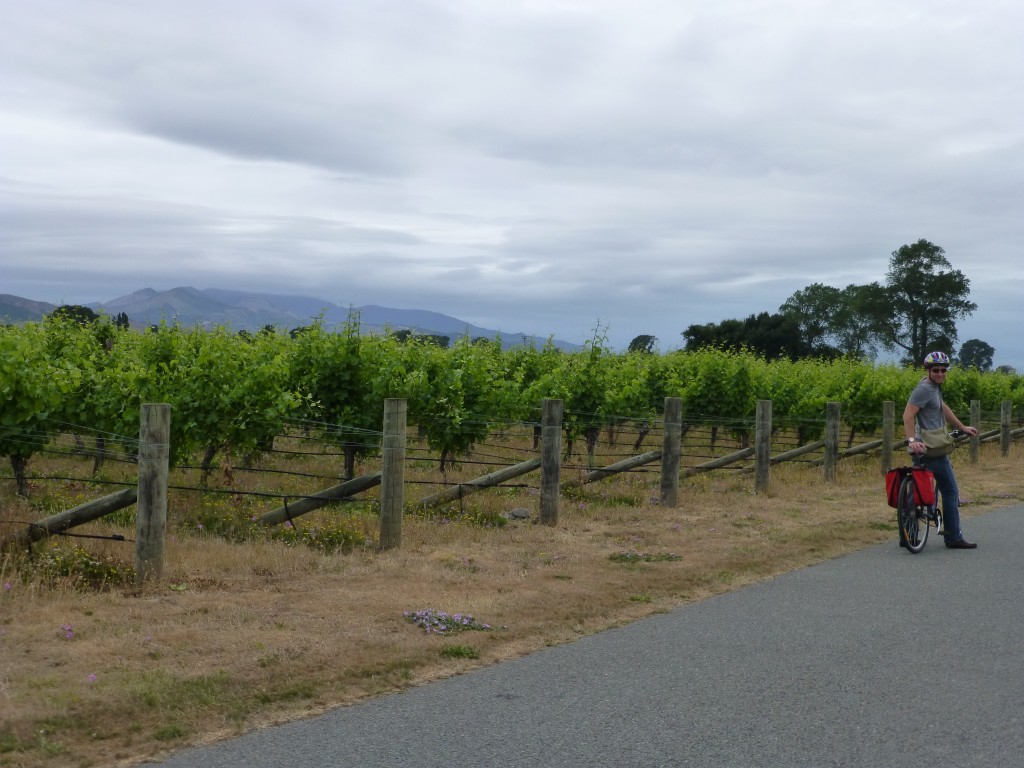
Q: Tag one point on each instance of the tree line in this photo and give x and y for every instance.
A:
(914, 311)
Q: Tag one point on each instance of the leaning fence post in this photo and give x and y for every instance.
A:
(392, 483)
(151, 510)
(888, 433)
(670, 451)
(975, 452)
(551, 449)
(763, 446)
(831, 441)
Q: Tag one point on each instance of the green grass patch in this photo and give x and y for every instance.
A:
(8, 741)
(166, 692)
(483, 518)
(643, 557)
(61, 562)
(459, 652)
(171, 732)
(298, 692)
(340, 535)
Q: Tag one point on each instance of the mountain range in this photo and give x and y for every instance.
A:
(250, 312)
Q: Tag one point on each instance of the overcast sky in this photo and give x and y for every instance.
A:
(538, 166)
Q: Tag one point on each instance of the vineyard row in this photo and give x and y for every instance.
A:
(232, 394)
(153, 466)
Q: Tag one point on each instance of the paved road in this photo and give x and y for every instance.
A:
(877, 659)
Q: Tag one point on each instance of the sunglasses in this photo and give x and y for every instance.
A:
(938, 370)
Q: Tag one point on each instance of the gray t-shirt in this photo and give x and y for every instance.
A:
(928, 397)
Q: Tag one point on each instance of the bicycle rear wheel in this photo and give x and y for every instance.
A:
(912, 520)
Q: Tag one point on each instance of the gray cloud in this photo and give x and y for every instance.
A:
(537, 167)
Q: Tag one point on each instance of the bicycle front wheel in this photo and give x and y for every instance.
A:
(913, 523)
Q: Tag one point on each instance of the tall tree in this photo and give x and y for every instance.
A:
(928, 297)
(727, 334)
(80, 313)
(862, 316)
(975, 353)
(813, 309)
(643, 343)
(837, 322)
(773, 336)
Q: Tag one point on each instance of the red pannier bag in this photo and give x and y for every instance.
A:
(924, 485)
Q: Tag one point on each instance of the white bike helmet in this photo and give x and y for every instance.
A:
(936, 358)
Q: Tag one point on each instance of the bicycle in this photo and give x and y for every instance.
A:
(917, 505)
(915, 517)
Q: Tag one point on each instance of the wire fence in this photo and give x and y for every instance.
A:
(308, 451)
(317, 442)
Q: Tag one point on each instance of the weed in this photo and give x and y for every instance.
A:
(342, 535)
(467, 564)
(638, 499)
(459, 652)
(473, 516)
(171, 732)
(8, 741)
(70, 564)
(168, 692)
(299, 691)
(643, 557)
(51, 747)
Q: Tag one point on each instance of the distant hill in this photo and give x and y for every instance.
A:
(14, 309)
(248, 311)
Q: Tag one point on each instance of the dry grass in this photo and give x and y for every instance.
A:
(240, 635)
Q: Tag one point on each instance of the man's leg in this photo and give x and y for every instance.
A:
(945, 479)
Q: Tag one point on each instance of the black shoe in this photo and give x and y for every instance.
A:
(960, 544)
(903, 543)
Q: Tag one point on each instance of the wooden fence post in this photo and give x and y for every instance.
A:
(392, 484)
(888, 433)
(551, 450)
(151, 510)
(763, 446)
(975, 452)
(1005, 426)
(831, 441)
(670, 451)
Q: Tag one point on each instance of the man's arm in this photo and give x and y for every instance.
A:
(951, 419)
(909, 422)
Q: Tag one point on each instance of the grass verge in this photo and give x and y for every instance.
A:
(247, 631)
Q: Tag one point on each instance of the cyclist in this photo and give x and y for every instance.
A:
(926, 410)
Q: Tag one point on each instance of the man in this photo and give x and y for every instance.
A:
(926, 410)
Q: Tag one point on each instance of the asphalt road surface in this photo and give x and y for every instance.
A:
(880, 658)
